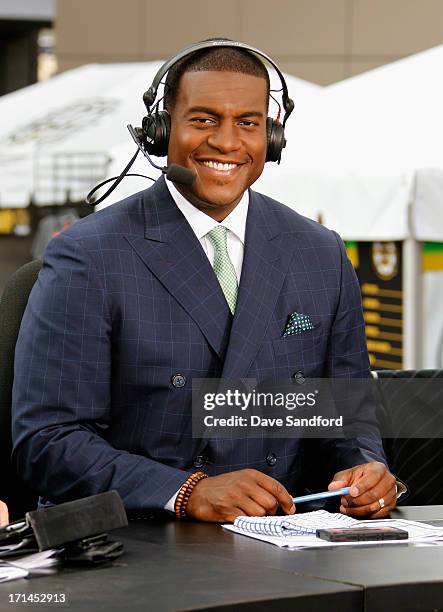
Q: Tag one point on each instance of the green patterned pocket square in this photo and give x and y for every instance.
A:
(297, 323)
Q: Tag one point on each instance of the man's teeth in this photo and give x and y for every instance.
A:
(218, 166)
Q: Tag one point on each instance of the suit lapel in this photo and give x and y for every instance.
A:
(173, 253)
(264, 268)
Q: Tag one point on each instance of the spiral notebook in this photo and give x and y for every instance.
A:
(295, 524)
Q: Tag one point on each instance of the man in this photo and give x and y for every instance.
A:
(128, 309)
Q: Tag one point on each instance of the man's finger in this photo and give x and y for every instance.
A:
(231, 516)
(369, 497)
(337, 484)
(384, 488)
(370, 510)
(251, 508)
(384, 512)
(370, 478)
(4, 516)
(264, 499)
(278, 491)
(340, 484)
(261, 496)
(347, 478)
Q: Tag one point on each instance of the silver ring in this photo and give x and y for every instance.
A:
(381, 501)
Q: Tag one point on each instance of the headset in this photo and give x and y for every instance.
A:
(153, 137)
(156, 126)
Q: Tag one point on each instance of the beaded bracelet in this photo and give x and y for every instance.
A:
(185, 493)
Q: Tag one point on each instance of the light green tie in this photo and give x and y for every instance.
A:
(223, 268)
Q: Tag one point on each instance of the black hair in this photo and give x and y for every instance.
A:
(220, 59)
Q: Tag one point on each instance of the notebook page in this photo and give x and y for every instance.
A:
(42, 563)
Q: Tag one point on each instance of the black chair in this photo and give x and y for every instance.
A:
(417, 461)
(13, 302)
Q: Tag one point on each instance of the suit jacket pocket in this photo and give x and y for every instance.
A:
(298, 342)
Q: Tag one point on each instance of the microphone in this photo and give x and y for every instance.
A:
(78, 519)
(174, 172)
(179, 174)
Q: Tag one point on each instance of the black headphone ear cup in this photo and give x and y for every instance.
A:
(276, 139)
(157, 128)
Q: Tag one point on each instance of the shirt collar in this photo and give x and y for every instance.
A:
(201, 223)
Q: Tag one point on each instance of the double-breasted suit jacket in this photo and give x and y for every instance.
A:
(127, 311)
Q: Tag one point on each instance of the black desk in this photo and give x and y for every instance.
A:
(184, 566)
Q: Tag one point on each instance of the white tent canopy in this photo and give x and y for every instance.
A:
(56, 137)
(373, 168)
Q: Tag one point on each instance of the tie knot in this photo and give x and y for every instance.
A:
(218, 238)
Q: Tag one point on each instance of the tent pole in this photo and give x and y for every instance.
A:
(412, 298)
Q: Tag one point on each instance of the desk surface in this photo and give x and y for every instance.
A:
(195, 566)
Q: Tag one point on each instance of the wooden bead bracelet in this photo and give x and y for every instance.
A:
(185, 493)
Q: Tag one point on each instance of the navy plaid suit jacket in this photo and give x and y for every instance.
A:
(125, 300)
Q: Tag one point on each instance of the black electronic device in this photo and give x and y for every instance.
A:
(78, 519)
(79, 525)
(362, 534)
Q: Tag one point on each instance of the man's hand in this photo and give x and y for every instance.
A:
(245, 492)
(369, 483)
(4, 516)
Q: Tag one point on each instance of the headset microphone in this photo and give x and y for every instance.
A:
(174, 172)
(180, 174)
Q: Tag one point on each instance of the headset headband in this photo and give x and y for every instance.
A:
(151, 94)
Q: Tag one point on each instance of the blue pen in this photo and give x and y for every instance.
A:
(315, 496)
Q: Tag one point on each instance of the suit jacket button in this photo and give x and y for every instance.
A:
(178, 380)
(299, 377)
(271, 459)
(199, 461)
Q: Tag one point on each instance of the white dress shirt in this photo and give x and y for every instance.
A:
(201, 224)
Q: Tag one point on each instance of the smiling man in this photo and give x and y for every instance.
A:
(181, 282)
